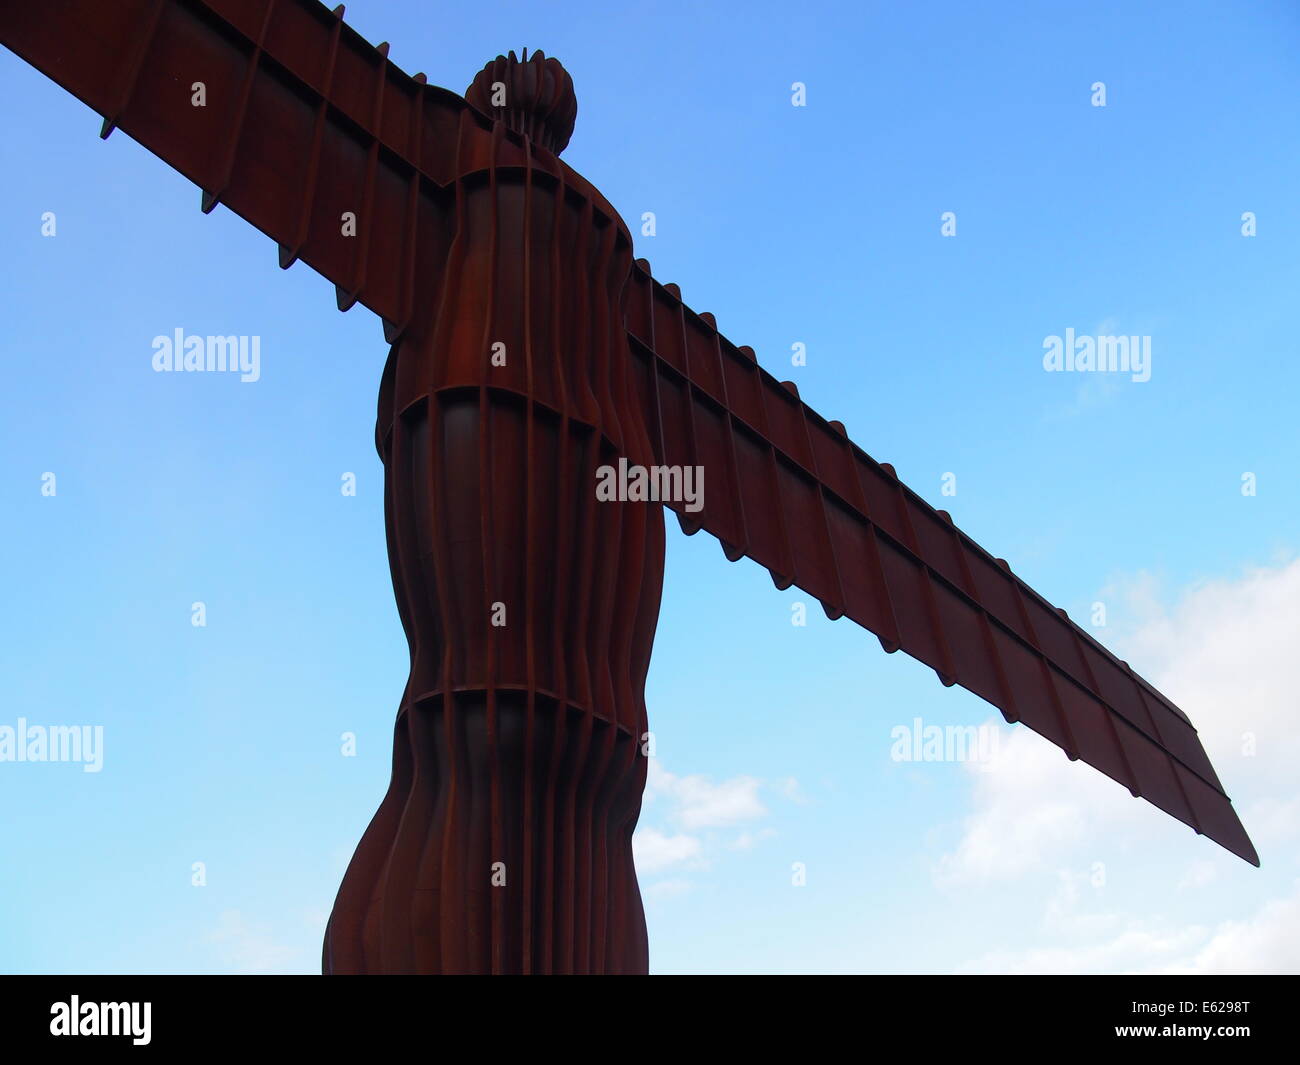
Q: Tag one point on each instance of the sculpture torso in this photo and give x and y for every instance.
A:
(529, 605)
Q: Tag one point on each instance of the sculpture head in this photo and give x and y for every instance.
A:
(533, 96)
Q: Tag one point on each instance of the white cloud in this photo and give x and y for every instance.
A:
(1272, 820)
(790, 789)
(694, 805)
(1066, 916)
(746, 840)
(1266, 942)
(1031, 806)
(653, 850)
(1269, 942)
(1223, 652)
(667, 889)
(699, 803)
(1116, 954)
(1198, 874)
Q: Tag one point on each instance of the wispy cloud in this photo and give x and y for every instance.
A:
(1224, 654)
(1223, 651)
(698, 803)
(690, 811)
(654, 850)
(1266, 941)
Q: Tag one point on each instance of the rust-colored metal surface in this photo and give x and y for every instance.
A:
(505, 841)
(528, 350)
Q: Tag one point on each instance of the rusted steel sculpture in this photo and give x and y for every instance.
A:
(529, 350)
(505, 840)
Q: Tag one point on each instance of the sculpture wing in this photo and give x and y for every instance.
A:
(280, 111)
(791, 491)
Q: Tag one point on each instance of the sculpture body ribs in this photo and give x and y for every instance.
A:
(504, 843)
(529, 350)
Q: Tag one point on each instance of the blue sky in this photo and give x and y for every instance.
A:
(816, 224)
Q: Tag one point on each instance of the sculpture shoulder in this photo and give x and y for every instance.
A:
(507, 154)
(574, 180)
